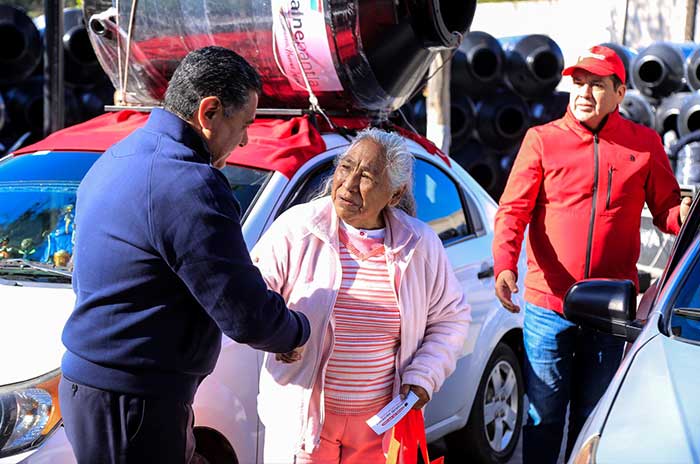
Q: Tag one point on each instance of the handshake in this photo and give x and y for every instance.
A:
(290, 356)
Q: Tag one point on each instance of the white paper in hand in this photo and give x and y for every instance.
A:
(392, 413)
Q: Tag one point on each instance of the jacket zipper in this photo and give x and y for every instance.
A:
(589, 244)
(610, 176)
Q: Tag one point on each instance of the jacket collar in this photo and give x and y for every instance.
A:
(401, 236)
(609, 126)
(169, 124)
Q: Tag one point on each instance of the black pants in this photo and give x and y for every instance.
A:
(115, 428)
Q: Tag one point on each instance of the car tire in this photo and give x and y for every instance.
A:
(493, 439)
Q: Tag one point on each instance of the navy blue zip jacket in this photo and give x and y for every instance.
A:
(161, 269)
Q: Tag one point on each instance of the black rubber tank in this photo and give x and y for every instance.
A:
(462, 119)
(627, 55)
(502, 120)
(692, 70)
(638, 109)
(477, 67)
(358, 55)
(20, 45)
(689, 115)
(533, 64)
(667, 113)
(483, 164)
(549, 107)
(25, 107)
(81, 66)
(659, 69)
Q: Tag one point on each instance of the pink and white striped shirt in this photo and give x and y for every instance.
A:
(360, 371)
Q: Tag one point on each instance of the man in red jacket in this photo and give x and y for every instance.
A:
(580, 183)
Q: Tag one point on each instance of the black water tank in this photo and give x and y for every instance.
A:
(20, 45)
(638, 109)
(502, 120)
(533, 64)
(483, 164)
(477, 67)
(689, 115)
(659, 69)
(358, 54)
(462, 119)
(549, 107)
(667, 113)
(692, 70)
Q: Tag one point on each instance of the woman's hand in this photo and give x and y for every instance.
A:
(290, 356)
(420, 392)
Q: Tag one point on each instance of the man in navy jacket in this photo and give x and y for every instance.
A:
(161, 269)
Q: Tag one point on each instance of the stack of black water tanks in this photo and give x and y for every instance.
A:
(666, 81)
(501, 87)
(87, 88)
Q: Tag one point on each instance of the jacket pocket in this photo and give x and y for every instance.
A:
(610, 178)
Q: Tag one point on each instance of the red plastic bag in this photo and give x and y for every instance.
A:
(407, 439)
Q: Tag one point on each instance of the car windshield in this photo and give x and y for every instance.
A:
(37, 210)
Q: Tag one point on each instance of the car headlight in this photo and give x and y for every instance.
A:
(586, 455)
(29, 413)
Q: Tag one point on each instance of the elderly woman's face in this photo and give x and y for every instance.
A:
(361, 188)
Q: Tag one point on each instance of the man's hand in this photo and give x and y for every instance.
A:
(685, 208)
(506, 285)
(290, 356)
(420, 392)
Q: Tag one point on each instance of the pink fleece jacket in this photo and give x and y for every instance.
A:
(298, 257)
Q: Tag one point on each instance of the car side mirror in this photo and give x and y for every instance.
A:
(605, 305)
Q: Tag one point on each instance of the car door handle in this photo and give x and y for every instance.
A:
(486, 273)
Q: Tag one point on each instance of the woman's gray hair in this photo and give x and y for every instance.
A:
(399, 165)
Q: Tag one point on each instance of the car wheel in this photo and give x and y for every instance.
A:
(495, 421)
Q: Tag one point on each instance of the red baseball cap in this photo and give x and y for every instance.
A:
(601, 61)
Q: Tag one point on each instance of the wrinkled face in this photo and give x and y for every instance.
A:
(593, 97)
(361, 188)
(227, 133)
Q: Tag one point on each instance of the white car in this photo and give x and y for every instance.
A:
(481, 403)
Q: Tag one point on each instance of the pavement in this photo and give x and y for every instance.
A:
(439, 448)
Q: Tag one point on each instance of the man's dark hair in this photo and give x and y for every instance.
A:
(617, 82)
(211, 72)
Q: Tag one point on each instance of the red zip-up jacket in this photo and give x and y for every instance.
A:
(582, 194)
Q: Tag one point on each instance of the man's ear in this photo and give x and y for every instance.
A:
(210, 108)
(621, 92)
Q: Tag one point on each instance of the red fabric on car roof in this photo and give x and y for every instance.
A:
(97, 134)
(273, 144)
(280, 145)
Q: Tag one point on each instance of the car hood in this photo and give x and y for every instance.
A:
(30, 331)
(656, 413)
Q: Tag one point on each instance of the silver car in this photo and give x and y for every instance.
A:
(650, 413)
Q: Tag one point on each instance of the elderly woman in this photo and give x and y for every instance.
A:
(386, 311)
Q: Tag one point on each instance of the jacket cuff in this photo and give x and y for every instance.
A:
(674, 220)
(413, 379)
(499, 267)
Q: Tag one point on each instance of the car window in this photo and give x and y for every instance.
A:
(37, 205)
(439, 202)
(685, 316)
(246, 183)
(438, 199)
